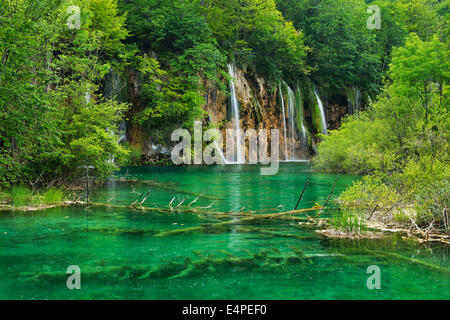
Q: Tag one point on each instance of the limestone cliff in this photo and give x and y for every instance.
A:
(293, 109)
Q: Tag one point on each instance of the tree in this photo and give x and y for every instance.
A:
(254, 33)
(401, 143)
(420, 68)
(343, 51)
(176, 51)
(49, 128)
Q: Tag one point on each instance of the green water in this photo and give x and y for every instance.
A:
(116, 247)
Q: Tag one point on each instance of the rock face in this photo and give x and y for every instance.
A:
(260, 107)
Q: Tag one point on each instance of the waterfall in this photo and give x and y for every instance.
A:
(87, 96)
(302, 117)
(122, 132)
(291, 116)
(111, 91)
(291, 123)
(322, 113)
(357, 99)
(354, 100)
(284, 122)
(112, 85)
(224, 160)
(219, 150)
(235, 109)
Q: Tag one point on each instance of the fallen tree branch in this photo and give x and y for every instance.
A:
(301, 195)
(196, 199)
(253, 217)
(329, 196)
(373, 211)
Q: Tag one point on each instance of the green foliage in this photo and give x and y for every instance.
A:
(21, 196)
(52, 196)
(402, 141)
(368, 193)
(55, 120)
(420, 68)
(134, 157)
(177, 53)
(168, 98)
(349, 221)
(341, 150)
(420, 16)
(343, 51)
(428, 182)
(393, 30)
(49, 128)
(255, 33)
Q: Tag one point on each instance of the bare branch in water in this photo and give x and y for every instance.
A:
(329, 196)
(301, 196)
(137, 199)
(196, 199)
(170, 204)
(180, 203)
(208, 207)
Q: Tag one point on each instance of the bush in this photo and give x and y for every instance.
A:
(369, 192)
(428, 181)
(342, 152)
(401, 143)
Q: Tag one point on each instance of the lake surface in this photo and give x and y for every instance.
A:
(126, 254)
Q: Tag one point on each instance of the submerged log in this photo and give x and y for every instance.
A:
(247, 219)
(168, 186)
(408, 259)
(261, 261)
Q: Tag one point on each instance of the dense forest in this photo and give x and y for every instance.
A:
(72, 72)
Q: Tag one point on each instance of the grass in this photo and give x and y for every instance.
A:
(400, 216)
(4, 197)
(52, 196)
(349, 221)
(21, 196)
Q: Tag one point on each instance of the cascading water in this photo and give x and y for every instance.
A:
(219, 150)
(112, 85)
(87, 96)
(354, 100)
(284, 122)
(111, 91)
(302, 117)
(291, 117)
(291, 129)
(322, 113)
(122, 132)
(235, 110)
(357, 99)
